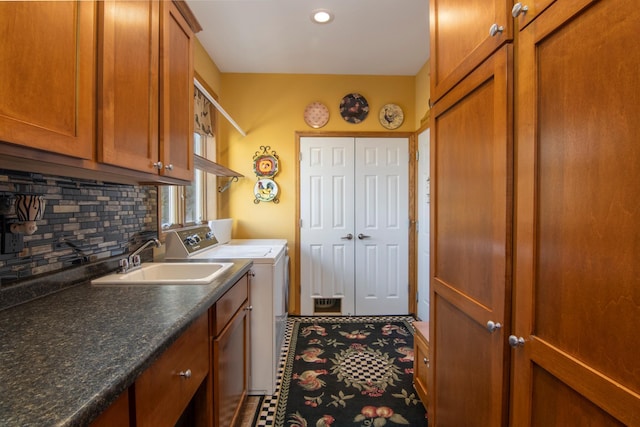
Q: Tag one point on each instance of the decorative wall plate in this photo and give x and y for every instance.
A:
(354, 108)
(265, 164)
(316, 115)
(391, 116)
(265, 190)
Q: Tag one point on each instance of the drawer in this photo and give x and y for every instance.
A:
(229, 304)
(161, 393)
(421, 360)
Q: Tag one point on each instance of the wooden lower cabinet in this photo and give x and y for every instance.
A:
(230, 354)
(165, 390)
(421, 360)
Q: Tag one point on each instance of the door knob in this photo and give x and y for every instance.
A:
(518, 9)
(347, 237)
(515, 341)
(495, 29)
(363, 236)
(492, 326)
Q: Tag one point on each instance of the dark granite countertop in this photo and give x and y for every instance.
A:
(66, 357)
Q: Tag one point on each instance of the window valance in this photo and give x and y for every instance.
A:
(203, 113)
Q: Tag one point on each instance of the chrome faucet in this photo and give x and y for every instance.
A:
(133, 261)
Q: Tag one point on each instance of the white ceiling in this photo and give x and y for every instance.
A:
(369, 37)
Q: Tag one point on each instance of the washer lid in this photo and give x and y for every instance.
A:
(232, 251)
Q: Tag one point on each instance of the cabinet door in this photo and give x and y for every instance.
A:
(460, 38)
(577, 287)
(176, 101)
(230, 370)
(526, 11)
(471, 245)
(47, 88)
(128, 84)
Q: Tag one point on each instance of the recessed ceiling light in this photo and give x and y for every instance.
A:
(321, 16)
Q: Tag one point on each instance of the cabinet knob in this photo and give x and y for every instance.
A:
(515, 341)
(519, 9)
(169, 167)
(492, 326)
(157, 165)
(495, 29)
(248, 308)
(185, 374)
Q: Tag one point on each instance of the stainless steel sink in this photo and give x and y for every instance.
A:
(170, 273)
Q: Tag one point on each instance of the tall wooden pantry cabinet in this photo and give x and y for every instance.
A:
(535, 282)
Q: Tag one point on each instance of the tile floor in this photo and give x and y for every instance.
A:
(261, 409)
(251, 406)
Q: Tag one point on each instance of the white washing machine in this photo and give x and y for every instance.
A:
(269, 292)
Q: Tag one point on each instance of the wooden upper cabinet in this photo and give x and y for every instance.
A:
(461, 38)
(176, 89)
(47, 64)
(129, 50)
(146, 88)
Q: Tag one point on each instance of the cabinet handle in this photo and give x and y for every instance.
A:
(248, 308)
(169, 167)
(363, 236)
(515, 341)
(347, 237)
(157, 165)
(495, 29)
(519, 9)
(185, 374)
(492, 327)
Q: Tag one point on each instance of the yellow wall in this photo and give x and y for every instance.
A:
(423, 93)
(269, 107)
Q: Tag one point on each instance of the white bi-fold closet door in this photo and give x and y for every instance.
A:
(354, 224)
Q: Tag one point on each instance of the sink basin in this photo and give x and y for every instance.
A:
(172, 273)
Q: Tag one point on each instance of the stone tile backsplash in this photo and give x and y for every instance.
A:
(84, 221)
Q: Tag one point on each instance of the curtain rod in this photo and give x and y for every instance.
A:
(218, 106)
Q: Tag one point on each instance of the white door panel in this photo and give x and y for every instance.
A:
(326, 212)
(382, 214)
(424, 204)
(349, 187)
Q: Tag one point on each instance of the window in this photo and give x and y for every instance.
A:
(187, 205)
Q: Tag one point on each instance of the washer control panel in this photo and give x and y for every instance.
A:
(186, 241)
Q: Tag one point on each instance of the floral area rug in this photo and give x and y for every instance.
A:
(355, 371)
